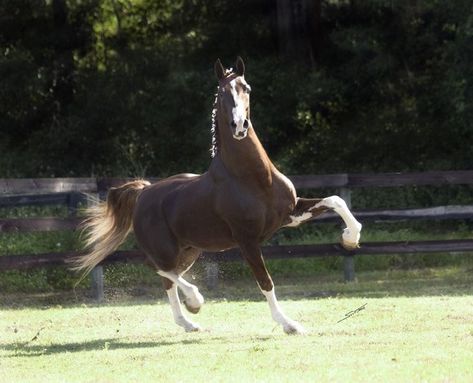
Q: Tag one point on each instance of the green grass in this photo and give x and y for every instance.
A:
(417, 326)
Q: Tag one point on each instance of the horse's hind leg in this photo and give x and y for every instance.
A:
(184, 262)
(171, 263)
(179, 317)
(194, 298)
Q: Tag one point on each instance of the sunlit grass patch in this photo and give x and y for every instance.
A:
(394, 339)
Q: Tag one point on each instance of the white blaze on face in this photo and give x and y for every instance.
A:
(238, 112)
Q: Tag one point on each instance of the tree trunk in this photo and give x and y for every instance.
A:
(63, 76)
(299, 29)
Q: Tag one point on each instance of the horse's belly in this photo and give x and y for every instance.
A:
(194, 222)
(205, 234)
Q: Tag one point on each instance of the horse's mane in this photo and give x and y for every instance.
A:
(213, 127)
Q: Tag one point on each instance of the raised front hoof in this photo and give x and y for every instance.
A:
(350, 246)
(351, 240)
(191, 309)
(294, 328)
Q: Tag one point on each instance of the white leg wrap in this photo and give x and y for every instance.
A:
(290, 326)
(351, 234)
(177, 313)
(194, 298)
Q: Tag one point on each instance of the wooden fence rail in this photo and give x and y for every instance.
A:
(70, 192)
(31, 261)
(96, 185)
(24, 225)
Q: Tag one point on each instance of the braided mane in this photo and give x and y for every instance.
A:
(213, 127)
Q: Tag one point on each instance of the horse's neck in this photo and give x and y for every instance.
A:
(246, 159)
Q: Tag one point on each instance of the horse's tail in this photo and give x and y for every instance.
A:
(107, 224)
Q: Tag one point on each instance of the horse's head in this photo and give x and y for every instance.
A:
(234, 98)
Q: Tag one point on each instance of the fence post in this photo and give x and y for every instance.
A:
(97, 283)
(211, 274)
(348, 259)
(96, 275)
(73, 200)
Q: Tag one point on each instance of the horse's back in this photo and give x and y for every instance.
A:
(151, 198)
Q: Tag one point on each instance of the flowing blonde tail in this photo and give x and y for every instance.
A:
(107, 224)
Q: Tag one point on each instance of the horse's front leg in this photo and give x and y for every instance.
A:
(252, 254)
(306, 209)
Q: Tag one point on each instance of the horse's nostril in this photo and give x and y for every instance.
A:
(233, 124)
(245, 124)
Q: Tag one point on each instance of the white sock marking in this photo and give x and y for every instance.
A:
(290, 326)
(177, 313)
(194, 297)
(351, 234)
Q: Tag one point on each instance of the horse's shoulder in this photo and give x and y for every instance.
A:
(283, 184)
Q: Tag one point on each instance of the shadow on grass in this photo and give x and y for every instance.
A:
(376, 284)
(30, 350)
(26, 349)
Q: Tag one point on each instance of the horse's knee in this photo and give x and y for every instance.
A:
(333, 202)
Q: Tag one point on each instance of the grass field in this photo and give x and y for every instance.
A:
(416, 326)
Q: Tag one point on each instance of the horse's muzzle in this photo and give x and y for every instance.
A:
(240, 131)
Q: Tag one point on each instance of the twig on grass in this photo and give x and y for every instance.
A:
(36, 336)
(353, 312)
(49, 322)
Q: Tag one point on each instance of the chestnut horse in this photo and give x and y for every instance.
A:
(239, 202)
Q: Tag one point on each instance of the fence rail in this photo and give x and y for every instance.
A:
(25, 225)
(47, 185)
(97, 185)
(69, 192)
(30, 261)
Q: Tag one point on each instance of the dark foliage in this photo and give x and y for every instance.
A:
(121, 87)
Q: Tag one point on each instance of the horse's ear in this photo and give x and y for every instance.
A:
(240, 66)
(219, 71)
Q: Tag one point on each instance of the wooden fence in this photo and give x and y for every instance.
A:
(69, 192)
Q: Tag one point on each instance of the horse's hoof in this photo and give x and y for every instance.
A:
(350, 246)
(294, 328)
(192, 327)
(191, 309)
(350, 241)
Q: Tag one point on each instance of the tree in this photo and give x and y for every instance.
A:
(299, 31)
